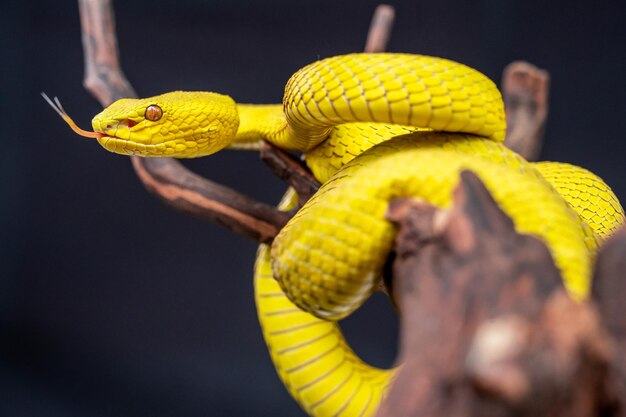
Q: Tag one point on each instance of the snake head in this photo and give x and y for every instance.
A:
(179, 124)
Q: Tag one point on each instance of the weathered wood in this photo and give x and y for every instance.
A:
(291, 170)
(380, 29)
(609, 285)
(525, 91)
(609, 292)
(198, 196)
(486, 326)
(104, 78)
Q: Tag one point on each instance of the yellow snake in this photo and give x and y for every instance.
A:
(373, 127)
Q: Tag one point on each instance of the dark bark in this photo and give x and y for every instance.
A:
(291, 170)
(192, 194)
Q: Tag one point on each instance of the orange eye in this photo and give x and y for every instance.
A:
(153, 113)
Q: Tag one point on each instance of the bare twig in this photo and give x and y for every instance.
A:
(525, 91)
(291, 170)
(166, 177)
(103, 76)
(380, 28)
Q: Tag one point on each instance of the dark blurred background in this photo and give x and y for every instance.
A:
(112, 304)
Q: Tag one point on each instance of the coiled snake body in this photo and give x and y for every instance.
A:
(373, 127)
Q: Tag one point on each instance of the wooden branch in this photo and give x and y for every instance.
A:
(291, 170)
(525, 91)
(609, 292)
(609, 284)
(486, 326)
(103, 76)
(165, 177)
(380, 29)
(192, 194)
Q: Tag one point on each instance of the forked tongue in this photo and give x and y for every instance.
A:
(56, 105)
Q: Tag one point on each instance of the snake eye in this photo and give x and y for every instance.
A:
(153, 113)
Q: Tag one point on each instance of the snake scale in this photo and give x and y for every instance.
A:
(372, 127)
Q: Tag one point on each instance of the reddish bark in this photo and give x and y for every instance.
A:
(486, 326)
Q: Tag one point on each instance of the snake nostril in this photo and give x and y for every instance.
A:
(109, 127)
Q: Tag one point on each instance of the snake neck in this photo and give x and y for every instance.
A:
(259, 122)
(256, 123)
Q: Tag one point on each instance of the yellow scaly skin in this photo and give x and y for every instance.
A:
(311, 356)
(590, 196)
(347, 114)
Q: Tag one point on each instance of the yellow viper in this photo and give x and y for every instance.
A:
(373, 127)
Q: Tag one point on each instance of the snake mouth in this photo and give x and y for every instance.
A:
(118, 130)
(105, 136)
(124, 146)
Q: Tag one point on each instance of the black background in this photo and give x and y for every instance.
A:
(111, 304)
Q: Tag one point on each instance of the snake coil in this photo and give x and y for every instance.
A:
(372, 127)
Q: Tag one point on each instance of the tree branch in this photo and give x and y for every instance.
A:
(165, 177)
(104, 78)
(291, 170)
(525, 91)
(609, 292)
(487, 328)
(195, 195)
(380, 29)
